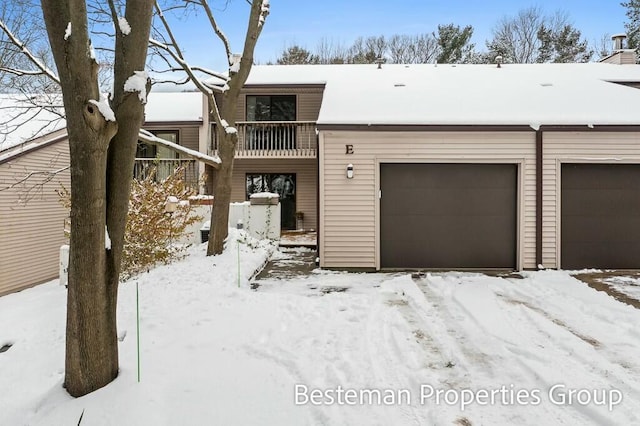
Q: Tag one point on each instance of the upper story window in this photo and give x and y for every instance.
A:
(271, 108)
(157, 151)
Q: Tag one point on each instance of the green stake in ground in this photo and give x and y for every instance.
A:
(138, 327)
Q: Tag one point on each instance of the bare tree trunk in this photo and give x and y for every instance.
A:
(228, 140)
(222, 191)
(91, 346)
(131, 54)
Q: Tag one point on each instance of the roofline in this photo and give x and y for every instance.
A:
(476, 128)
(284, 86)
(36, 147)
(173, 123)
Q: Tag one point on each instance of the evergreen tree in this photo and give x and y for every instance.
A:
(297, 55)
(632, 26)
(563, 45)
(454, 44)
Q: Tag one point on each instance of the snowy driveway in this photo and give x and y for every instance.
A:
(334, 348)
(544, 349)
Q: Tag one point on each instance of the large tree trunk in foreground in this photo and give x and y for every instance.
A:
(226, 148)
(222, 192)
(91, 359)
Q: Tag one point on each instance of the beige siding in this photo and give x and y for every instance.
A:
(308, 101)
(349, 223)
(306, 183)
(188, 135)
(624, 57)
(576, 147)
(31, 223)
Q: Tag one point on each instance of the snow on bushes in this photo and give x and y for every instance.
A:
(151, 232)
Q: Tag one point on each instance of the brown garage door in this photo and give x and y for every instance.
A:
(448, 215)
(600, 216)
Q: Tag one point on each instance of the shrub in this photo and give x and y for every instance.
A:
(151, 233)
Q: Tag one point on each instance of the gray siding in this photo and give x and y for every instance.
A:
(32, 223)
(306, 183)
(349, 208)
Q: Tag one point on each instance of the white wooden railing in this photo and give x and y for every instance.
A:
(164, 167)
(274, 139)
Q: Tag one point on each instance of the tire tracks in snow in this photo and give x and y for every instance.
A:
(536, 349)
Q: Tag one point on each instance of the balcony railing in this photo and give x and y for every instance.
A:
(164, 167)
(274, 139)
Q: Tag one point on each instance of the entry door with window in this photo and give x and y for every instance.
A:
(283, 184)
(275, 109)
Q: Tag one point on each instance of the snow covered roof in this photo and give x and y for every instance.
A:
(426, 94)
(25, 117)
(174, 106)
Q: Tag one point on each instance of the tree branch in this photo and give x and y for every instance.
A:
(216, 29)
(18, 43)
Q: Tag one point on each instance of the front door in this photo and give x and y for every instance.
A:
(283, 184)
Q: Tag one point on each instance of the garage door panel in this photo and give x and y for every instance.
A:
(600, 216)
(449, 216)
(598, 202)
(616, 229)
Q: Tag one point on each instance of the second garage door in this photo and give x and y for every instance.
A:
(600, 225)
(445, 216)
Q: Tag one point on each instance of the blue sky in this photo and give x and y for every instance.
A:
(305, 22)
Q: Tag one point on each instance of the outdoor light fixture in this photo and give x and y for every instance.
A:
(350, 171)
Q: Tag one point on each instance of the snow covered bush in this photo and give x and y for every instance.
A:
(151, 233)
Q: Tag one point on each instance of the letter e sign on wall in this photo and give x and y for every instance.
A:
(349, 149)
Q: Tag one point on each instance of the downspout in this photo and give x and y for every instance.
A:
(317, 198)
(539, 161)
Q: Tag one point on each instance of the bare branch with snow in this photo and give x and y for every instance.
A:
(32, 58)
(176, 53)
(216, 28)
(149, 137)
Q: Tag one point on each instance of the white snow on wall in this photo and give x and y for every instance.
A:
(125, 28)
(138, 83)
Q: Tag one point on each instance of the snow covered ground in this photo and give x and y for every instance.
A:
(334, 348)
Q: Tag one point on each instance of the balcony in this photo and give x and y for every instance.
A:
(164, 167)
(274, 139)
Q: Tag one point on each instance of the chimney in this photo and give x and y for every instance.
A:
(618, 41)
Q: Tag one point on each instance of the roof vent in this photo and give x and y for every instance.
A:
(618, 41)
(499, 61)
(380, 61)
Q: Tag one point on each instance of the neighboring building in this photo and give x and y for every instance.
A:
(31, 216)
(32, 219)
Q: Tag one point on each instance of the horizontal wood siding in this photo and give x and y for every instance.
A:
(32, 223)
(308, 101)
(188, 136)
(349, 218)
(576, 147)
(306, 183)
